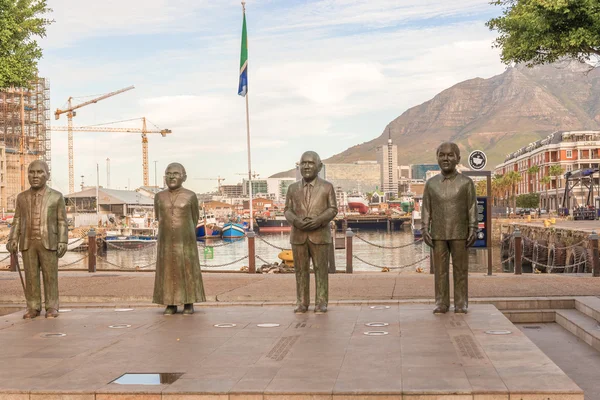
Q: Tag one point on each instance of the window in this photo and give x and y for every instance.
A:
(569, 153)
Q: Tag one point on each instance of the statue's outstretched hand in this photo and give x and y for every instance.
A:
(62, 249)
(12, 246)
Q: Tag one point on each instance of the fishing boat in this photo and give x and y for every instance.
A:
(277, 223)
(357, 202)
(207, 228)
(128, 242)
(232, 230)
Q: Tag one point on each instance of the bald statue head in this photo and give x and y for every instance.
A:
(175, 175)
(310, 165)
(38, 174)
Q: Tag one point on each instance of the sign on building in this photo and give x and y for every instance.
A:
(477, 160)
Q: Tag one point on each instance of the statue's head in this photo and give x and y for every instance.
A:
(175, 175)
(448, 156)
(38, 174)
(310, 165)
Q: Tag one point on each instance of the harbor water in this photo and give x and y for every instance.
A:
(380, 248)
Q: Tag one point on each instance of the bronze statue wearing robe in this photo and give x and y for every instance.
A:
(178, 277)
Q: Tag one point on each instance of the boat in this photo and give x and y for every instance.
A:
(232, 230)
(207, 228)
(415, 224)
(277, 223)
(357, 202)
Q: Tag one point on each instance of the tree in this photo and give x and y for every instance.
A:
(512, 179)
(546, 182)
(556, 171)
(544, 31)
(529, 200)
(481, 187)
(20, 22)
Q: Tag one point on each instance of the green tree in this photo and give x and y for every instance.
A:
(556, 171)
(529, 200)
(512, 180)
(546, 182)
(544, 31)
(20, 22)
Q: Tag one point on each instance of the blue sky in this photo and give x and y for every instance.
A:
(324, 75)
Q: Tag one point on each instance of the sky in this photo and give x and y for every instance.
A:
(324, 75)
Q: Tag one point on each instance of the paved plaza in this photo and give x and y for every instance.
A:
(411, 355)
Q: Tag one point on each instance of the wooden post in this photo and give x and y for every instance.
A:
(349, 235)
(13, 262)
(518, 252)
(595, 260)
(251, 252)
(92, 250)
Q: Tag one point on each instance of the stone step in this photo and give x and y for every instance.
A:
(581, 325)
(529, 316)
(589, 305)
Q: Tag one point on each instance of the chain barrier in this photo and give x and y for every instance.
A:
(400, 267)
(508, 238)
(73, 262)
(271, 244)
(223, 265)
(116, 246)
(122, 267)
(388, 247)
(263, 260)
(201, 244)
(5, 258)
(511, 258)
(551, 267)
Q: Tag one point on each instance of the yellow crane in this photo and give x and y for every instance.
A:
(70, 111)
(144, 131)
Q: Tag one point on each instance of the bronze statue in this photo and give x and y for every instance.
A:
(40, 231)
(178, 278)
(449, 218)
(309, 207)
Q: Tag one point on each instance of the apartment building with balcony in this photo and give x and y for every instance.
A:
(571, 150)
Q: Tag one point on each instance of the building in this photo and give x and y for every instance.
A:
(278, 187)
(149, 191)
(115, 204)
(35, 135)
(419, 171)
(361, 176)
(259, 205)
(573, 150)
(431, 173)
(404, 172)
(341, 198)
(232, 190)
(388, 161)
(217, 208)
(258, 186)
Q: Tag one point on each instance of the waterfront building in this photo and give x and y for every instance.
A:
(259, 205)
(259, 186)
(219, 209)
(388, 160)
(404, 172)
(149, 191)
(277, 187)
(572, 150)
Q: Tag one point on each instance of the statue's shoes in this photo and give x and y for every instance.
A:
(188, 309)
(52, 313)
(170, 310)
(30, 314)
(440, 310)
(320, 309)
(460, 310)
(301, 309)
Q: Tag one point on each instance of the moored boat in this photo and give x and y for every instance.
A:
(233, 230)
(274, 224)
(357, 202)
(415, 224)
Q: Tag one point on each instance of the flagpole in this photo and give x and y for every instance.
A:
(248, 142)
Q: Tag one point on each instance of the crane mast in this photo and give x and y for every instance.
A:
(70, 111)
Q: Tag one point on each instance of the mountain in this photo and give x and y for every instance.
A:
(497, 115)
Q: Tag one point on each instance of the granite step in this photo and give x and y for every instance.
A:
(581, 325)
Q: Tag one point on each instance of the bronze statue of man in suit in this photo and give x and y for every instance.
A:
(178, 278)
(309, 207)
(40, 231)
(449, 218)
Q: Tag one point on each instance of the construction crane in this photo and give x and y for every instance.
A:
(218, 179)
(70, 111)
(144, 131)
